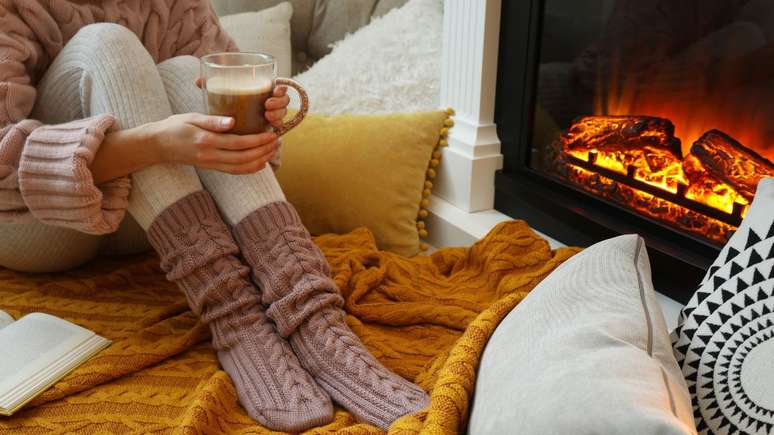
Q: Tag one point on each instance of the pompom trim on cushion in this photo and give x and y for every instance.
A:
(432, 171)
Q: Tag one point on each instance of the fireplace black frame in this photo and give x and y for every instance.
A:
(678, 259)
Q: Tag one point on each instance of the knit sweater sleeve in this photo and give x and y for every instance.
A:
(44, 169)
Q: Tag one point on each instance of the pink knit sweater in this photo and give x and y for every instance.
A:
(44, 169)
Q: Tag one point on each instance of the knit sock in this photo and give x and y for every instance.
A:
(305, 305)
(198, 253)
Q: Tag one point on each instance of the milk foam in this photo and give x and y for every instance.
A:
(238, 85)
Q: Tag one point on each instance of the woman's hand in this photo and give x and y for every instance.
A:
(191, 139)
(203, 141)
(277, 106)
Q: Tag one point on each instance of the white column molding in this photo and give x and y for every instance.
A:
(471, 32)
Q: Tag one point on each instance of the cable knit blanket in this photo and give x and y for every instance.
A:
(427, 318)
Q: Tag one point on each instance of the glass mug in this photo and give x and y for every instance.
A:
(238, 85)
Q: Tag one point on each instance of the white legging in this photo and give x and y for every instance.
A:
(104, 68)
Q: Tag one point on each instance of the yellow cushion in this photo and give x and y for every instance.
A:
(347, 171)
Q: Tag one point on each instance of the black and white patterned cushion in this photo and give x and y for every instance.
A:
(724, 341)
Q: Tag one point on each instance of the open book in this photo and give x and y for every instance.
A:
(38, 350)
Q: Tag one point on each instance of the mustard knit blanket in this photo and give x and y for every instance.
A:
(427, 318)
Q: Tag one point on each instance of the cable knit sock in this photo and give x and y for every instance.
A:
(199, 254)
(306, 307)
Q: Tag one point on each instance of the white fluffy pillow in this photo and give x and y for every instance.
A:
(391, 65)
(266, 31)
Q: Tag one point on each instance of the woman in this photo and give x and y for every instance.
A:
(100, 115)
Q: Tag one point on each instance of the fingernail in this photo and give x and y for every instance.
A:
(225, 121)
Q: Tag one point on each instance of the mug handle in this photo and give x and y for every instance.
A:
(303, 97)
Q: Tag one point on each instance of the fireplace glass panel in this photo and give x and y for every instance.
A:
(664, 108)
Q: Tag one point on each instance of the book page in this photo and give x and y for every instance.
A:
(5, 319)
(33, 343)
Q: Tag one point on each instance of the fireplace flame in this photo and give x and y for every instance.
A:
(667, 175)
(717, 178)
(694, 106)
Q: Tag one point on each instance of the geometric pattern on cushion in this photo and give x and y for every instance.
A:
(724, 341)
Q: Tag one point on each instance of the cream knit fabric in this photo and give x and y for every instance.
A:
(37, 247)
(236, 195)
(32, 34)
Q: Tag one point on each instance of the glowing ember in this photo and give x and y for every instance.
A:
(620, 142)
(729, 161)
(705, 188)
(637, 161)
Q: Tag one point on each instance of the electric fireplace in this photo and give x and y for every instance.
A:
(654, 117)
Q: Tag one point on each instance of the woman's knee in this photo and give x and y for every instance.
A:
(98, 55)
(107, 50)
(110, 71)
(180, 73)
(40, 248)
(106, 36)
(179, 76)
(185, 65)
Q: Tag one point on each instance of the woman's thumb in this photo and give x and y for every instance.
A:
(212, 123)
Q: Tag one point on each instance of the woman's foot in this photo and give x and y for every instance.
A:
(271, 384)
(340, 363)
(304, 303)
(198, 253)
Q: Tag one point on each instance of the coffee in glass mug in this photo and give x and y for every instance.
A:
(238, 85)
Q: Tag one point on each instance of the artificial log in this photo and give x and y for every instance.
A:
(608, 133)
(728, 161)
(705, 193)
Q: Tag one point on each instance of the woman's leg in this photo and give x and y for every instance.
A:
(115, 74)
(37, 247)
(293, 274)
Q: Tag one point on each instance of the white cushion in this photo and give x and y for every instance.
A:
(391, 65)
(587, 352)
(724, 340)
(266, 31)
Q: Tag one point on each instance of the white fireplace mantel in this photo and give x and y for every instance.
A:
(461, 209)
(462, 205)
(471, 31)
